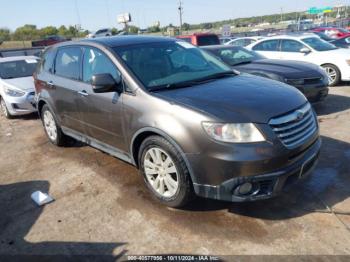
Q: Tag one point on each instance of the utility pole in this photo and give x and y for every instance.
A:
(181, 11)
(281, 14)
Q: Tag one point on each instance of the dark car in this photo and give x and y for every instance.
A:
(310, 79)
(342, 42)
(201, 39)
(50, 40)
(180, 115)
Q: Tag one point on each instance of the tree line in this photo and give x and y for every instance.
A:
(31, 32)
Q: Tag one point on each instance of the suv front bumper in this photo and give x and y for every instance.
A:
(21, 105)
(265, 185)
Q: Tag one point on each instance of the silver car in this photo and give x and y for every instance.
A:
(17, 85)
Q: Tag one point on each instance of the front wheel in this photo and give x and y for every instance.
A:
(333, 74)
(165, 172)
(4, 109)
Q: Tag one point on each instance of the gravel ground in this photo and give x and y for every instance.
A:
(102, 207)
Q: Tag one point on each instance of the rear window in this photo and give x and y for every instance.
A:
(270, 45)
(208, 40)
(68, 62)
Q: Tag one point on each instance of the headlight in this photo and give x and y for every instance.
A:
(233, 133)
(13, 92)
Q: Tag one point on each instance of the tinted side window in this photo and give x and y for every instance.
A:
(270, 45)
(96, 62)
(291, 46)
(48, 59)
(208, 40)
(68, 61)
(238, 42)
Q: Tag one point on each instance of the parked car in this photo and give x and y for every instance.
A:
(17, 85)
(201, 39)
(50, 40)
(301, 26)
(308, 48)
(343, 42)
(100, 33)
(310, 79)
(244, 41)
(225, 39)
(183, 117)
(31, 51)
(332, 32)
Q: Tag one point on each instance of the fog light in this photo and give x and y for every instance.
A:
(245, 188)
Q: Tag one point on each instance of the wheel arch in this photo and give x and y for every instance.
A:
(143, 133)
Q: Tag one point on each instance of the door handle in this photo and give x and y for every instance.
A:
(83, 93)
(50, 84)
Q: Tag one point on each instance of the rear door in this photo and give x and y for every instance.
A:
(66, 84)
(102, 112)
(269, 48)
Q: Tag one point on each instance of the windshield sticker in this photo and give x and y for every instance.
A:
(31, 61)
(186, 45)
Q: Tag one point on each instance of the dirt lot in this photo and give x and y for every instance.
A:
(102, 206)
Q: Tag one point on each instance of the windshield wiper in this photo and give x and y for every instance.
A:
(173, 86)
(242, 63)
(218, 76)
(192, 82)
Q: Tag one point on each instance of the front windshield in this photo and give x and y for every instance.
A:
(318, 44)
(237, 55)
(169, 63)
(17, 69)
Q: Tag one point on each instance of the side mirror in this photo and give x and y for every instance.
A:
(305, 50)
(104, 83)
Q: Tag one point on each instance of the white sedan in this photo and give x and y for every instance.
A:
(244, 41)
(308, 48)
(17, 85)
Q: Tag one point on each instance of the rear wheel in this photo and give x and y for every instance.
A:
(4, 109)
(165, 172)
(52, 129)
(333, 74)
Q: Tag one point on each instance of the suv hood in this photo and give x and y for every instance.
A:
(23, 83)
(286, 68)
(240, 99)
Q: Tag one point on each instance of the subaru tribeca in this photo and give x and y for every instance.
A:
(190, 124)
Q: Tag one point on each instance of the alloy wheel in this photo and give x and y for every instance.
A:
(50, 125)
(161, 172)
(331, 73)
(3, 107)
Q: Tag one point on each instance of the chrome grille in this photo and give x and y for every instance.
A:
(295, 128)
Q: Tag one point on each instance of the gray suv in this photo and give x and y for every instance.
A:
(190, 124)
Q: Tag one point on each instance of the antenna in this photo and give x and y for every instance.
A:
(181, 11)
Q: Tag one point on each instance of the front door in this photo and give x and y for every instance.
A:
(103, 112)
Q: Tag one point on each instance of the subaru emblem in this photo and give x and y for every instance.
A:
(299, 114)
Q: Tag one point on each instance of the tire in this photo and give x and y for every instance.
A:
(4, 109)
(334, 79)
(172, 196)
(50, 125)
